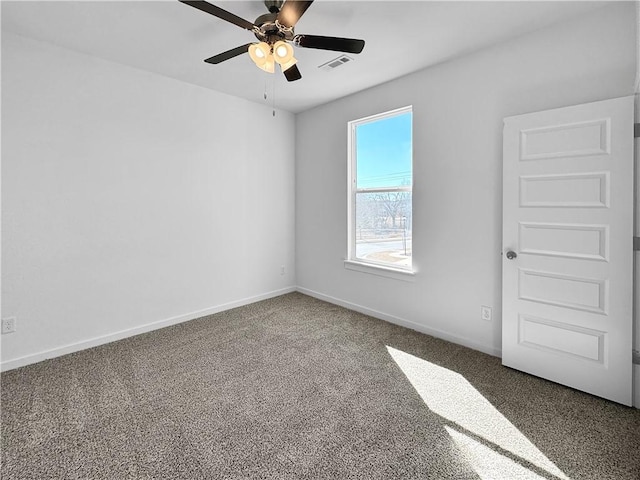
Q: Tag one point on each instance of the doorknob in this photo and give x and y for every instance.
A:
(511, 254)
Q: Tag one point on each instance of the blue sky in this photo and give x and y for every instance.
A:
(384, 152)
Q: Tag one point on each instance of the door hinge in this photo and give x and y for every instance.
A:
(636, 244)
(636, 130)
(636, 357)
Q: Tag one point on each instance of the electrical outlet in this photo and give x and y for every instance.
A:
(282, 270)
(8, 325)
(485, 313)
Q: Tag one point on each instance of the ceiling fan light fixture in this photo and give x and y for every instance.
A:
(268, 65)
(283, 52)
(259, 53)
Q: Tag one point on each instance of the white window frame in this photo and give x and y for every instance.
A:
(352, 262)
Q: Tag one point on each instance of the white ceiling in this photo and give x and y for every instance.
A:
(173, 39)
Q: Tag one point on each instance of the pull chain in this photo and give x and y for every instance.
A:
(273, 94)
(273, 97)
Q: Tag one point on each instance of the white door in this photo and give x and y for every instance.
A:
(567, 292)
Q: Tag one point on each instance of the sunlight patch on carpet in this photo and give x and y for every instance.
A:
(494, 447)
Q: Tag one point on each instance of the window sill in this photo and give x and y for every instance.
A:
(389, 272)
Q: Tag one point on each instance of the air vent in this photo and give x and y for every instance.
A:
(335, 63)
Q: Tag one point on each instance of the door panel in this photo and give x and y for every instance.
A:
(568, 216)
(578, 241)
(561, 338)
(584, 190)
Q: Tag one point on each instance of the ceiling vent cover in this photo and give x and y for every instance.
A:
(335, 63)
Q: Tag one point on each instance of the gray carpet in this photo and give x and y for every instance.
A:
(295, 388)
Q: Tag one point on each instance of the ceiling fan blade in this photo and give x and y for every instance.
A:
(220, 13)
(338, 44)
(291, 12)
(292, 74)
(234, 52)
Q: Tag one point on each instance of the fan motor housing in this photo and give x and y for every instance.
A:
(269, 31)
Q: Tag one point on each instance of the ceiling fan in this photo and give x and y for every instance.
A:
(275, 32)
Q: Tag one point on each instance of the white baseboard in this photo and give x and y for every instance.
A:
(130, 332)
(441, 334)
(96, 341)
(434, 332)
(636, 386)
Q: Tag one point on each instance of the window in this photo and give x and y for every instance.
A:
(380, 191)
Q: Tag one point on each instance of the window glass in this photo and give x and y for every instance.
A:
(381, 156)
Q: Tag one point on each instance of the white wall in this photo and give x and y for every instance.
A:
(458, 109)
(129, 198)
